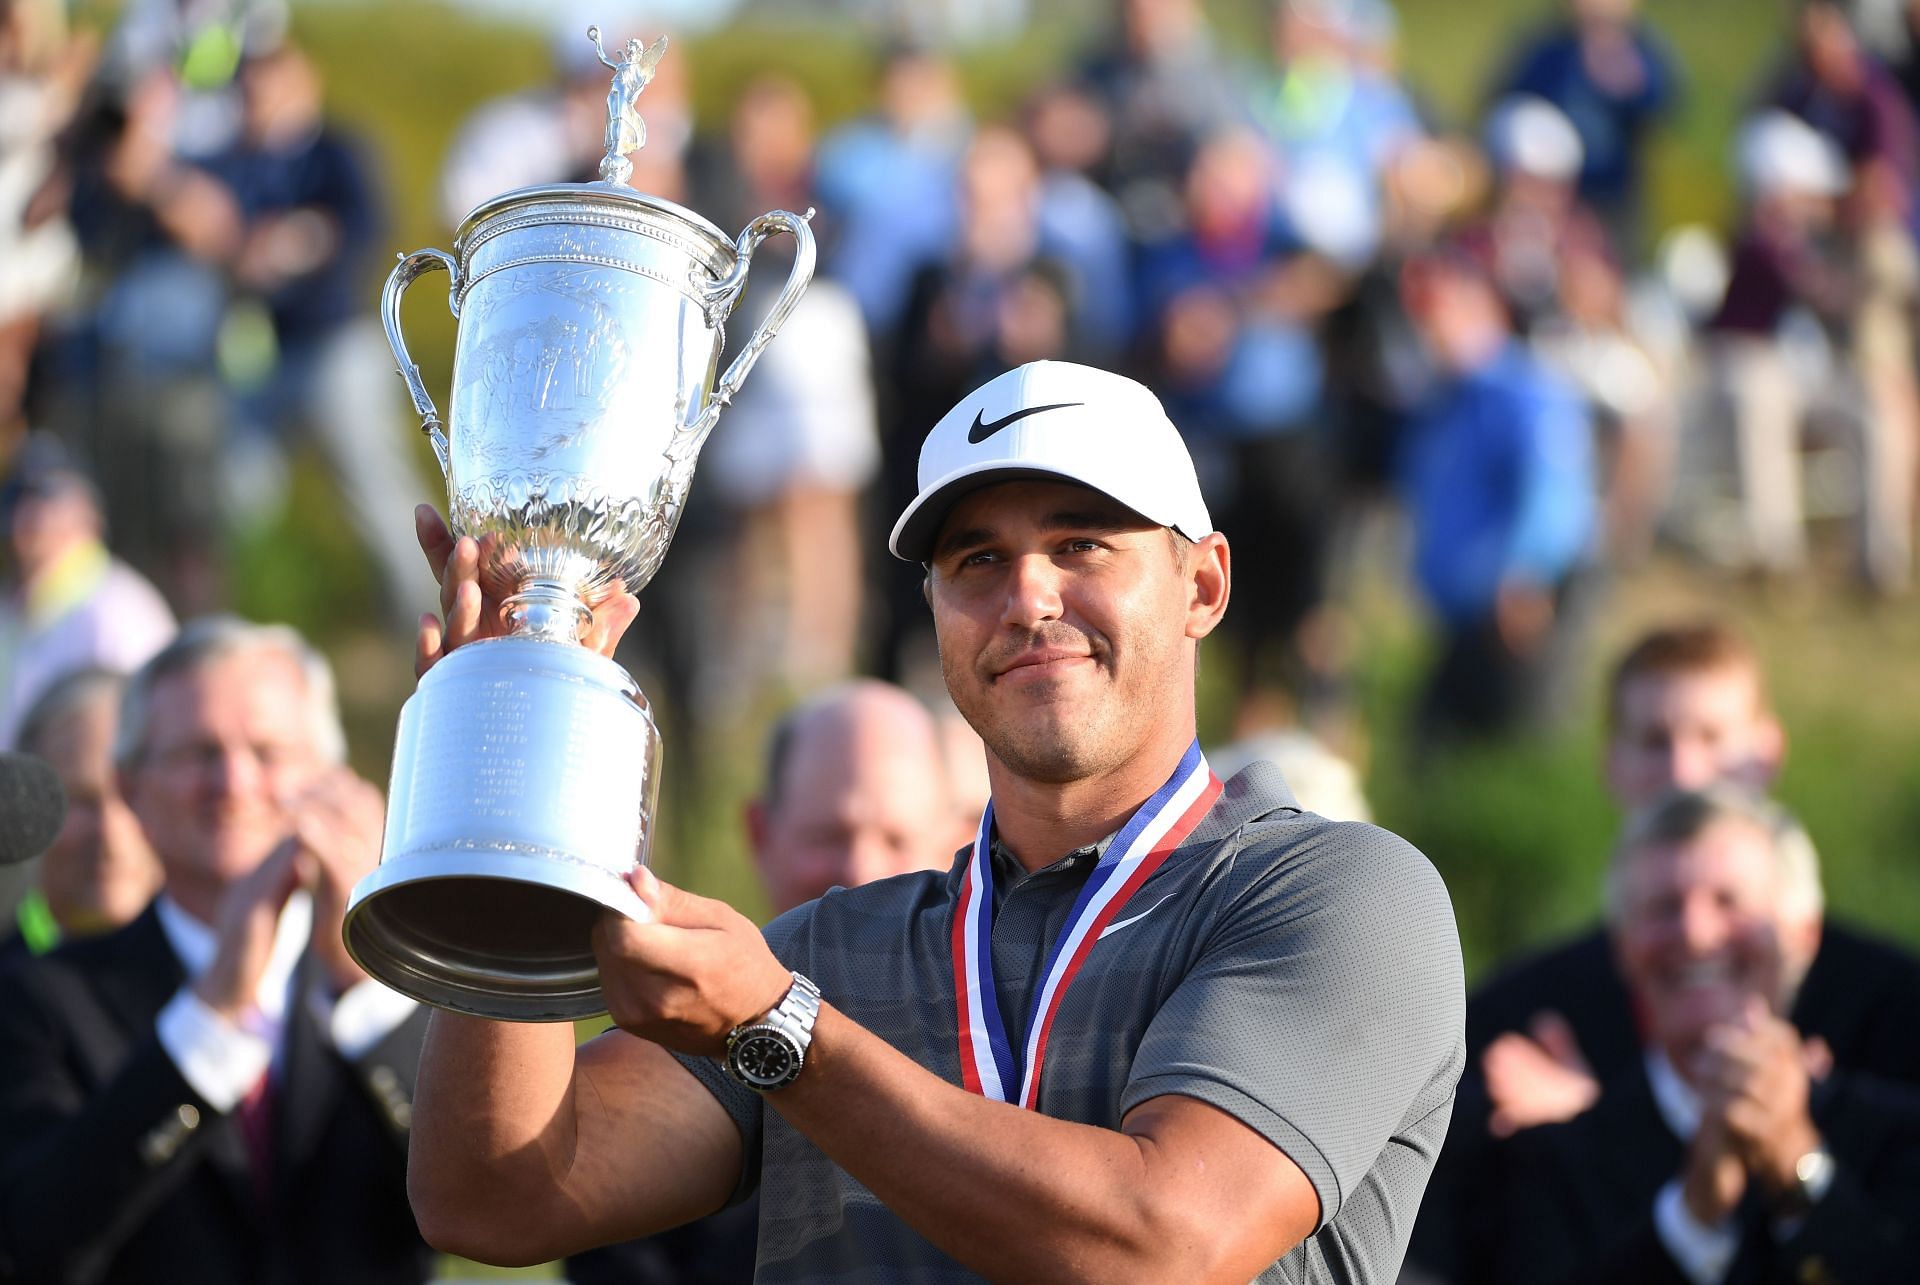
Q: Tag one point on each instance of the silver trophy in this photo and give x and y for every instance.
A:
(526, 768)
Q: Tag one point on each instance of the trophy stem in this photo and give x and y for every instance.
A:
(547, 611)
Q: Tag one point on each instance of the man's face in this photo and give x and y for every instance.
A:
(1065, 625)
(1701, 932)
(100, 871)
(862, 798)
(229, 747)
(1687, 729)
(44, 526)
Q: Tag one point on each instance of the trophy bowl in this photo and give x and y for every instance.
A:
(591, 321)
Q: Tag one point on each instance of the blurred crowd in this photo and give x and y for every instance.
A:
(1468, 335)
(1457, 355)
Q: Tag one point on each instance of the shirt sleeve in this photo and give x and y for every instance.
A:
(785, 937)
(744, 1106)
(218, 1058)
(1702, 1253)
(1325, 1009)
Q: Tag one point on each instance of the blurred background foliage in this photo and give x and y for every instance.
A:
(1521, 833)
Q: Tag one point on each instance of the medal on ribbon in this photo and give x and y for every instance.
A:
(989, 1064)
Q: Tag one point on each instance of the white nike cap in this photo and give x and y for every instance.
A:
(1055, 421)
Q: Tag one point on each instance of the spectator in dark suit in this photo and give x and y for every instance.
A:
(1728, 1151)
(216, 1091)
(1687, 706)
(856, 791)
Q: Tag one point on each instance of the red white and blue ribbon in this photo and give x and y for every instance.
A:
(988, 1064)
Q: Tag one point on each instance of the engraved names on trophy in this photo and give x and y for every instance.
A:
(499, 780)
(524, 756)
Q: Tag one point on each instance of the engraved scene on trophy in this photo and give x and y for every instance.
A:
(565, 403)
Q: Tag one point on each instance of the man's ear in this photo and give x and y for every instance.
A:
(1209, 584)
(754, 815)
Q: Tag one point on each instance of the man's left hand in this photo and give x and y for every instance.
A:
(1759, 1067)
(686, 979)
(338, 824)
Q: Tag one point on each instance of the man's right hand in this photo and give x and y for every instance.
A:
(1539, 1080)
(1714, 1178)
(332, 841)
(467, 613)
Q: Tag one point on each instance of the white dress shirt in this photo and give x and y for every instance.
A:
(1703, 1253)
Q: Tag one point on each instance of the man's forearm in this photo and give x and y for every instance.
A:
(493, 1128)
(526, 1149)
(1015, 1194)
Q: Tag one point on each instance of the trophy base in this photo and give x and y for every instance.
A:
(504, 935)
(525, 775)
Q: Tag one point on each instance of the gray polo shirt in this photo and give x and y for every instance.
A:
(1301, 974)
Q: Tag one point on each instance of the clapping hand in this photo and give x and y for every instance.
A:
(1754, 1078)
(1540, 1078)
(333, 840)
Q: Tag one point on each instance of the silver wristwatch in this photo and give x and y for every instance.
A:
(1812, 1176)
(768, 1052)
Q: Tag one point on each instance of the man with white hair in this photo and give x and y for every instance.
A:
(1730, 1152)
(217, 1089)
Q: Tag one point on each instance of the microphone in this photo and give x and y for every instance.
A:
(32, 807)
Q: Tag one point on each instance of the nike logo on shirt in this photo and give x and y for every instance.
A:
(981, 430)
(1118, 924)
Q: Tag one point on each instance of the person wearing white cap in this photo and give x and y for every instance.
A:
(1150, 1024)
(1814, 325)
(1056, 421)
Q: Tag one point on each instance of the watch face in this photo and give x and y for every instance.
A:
(763, 1058)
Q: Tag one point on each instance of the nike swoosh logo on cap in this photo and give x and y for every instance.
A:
(981, 430)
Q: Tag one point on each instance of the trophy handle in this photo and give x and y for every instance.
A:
(404, 274)
(722, 296)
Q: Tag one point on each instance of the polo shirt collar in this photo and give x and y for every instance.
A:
(1255, 791)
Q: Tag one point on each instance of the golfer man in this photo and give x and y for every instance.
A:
(1149, 1026)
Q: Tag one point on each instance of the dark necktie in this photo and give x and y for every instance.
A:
(255, 1114)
